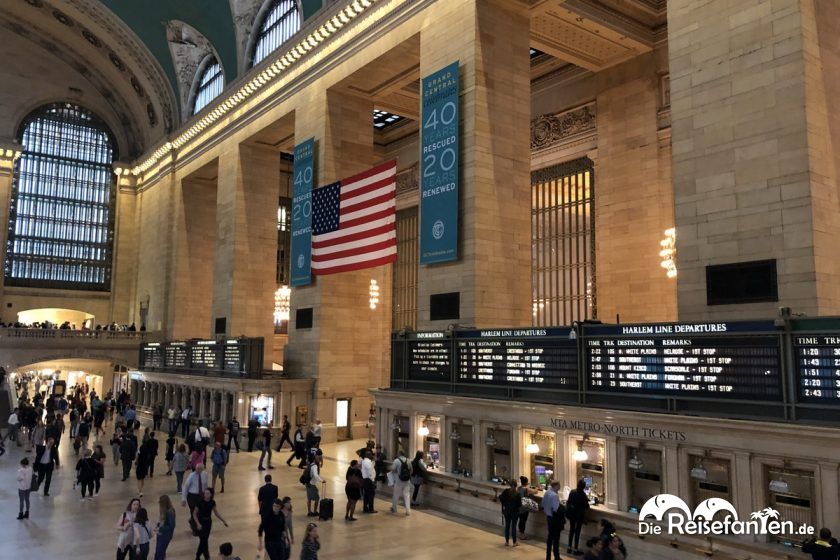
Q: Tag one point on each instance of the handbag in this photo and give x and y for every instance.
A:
(33, 484)
(529, 505)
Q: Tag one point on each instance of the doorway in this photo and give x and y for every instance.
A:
(342, 419)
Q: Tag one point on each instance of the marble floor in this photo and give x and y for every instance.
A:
(63, 527)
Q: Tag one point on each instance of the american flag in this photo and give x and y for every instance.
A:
(353, 222)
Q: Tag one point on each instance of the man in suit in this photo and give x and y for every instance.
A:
(46, 459)
(266, 496)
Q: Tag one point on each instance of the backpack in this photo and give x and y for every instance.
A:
(405, 472)
(306, 477)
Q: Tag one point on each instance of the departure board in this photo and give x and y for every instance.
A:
(233, 356)
(152, 355)
(517, 357)
(177, 355)
(710, 360)
(203, 355)
(818, 366)
(429, 357)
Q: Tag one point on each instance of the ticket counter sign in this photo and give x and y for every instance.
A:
(439, 164)
(303, 180)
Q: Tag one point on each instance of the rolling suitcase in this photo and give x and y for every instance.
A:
(326, 506)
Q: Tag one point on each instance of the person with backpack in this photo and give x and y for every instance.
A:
(401, 476)
(311, 478)
(511, 504)
(233, 434)
(418, 475)
(576, 507)
(219, 458)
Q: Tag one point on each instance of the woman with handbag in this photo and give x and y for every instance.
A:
(511, 504)
(125, 530)
(528, 505)
(418, 475)
(26, 479)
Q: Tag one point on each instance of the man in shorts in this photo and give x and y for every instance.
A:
(219, 457)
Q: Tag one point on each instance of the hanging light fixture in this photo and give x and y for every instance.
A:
(635, 463)
(395, 425)
(669, 252)
(490, 440)
(580, 453)
(424, 429)
(282, 298)
(699, 472)
(373, 293)
(455, 434)
(780, 485)
(533, 447)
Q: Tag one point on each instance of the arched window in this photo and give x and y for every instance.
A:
(282, 20)
(210, 84)
(61, 218)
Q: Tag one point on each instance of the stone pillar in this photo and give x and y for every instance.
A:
(613, 467)
(829, 477)
(225, 406)
(6, 180)
(493, 272)
(339, 356)
(246, 243)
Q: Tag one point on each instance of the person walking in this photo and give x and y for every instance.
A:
(311, 543)
(524, 492)
(128, 451)
(266, 449)
(418, 475)
(179, 465)
(172, 418)
(511, 504)
(284, 433)
(157, 417)
(555, 515)
(272, 534)
(170, 452)
(352, 489)
(203, 517)
(253, 426)
(116, 443)
(219, 459)
(24, 480)
(192, 492)
(186, 416)
(153, 453)
(287, 512)
(368, 483)
(14, 427)
(298, 448)
(233, 434)
(165, 527)
(46, 459)
(266, 495)
(142, 534)
(577, 505)
(401, 476)
(141, 471)
(125, 531)
(86, 473)
(316, 431)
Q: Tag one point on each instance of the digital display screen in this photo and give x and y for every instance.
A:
(429, 357)
(717, 360)
(233, 356)
(518, 357)
(177, 356)
(153, 356)
(818, 365)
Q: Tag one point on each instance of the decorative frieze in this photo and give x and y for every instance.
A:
(548, 130)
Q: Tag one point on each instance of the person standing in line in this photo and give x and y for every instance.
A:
(253, 426)
(165, 527)
(511, 504)
(311, 543)
(555, 515)
(266, 495)
(125, 530)
(153, 453)
(128, 451)
(284, 434)
(313, 479)
(179, 465)
(86, 472)
(525, 492)
(203, 517)
(401, 475)
(24, 480)
(353, 489)
(368, 483)
(46, 459)
(142, 534)
(192, 492)
(99, 459)
(418, 475)
(170, 452)
(577, 505)
(266, 449)
(272, 531)
(233, 434)
(219, 459)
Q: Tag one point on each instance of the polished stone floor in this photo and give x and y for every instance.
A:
(63, 527)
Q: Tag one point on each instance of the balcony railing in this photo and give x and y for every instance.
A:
(122, 336)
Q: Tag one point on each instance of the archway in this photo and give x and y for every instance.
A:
(56, 316)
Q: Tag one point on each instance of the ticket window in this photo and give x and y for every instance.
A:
(791, 493)
(262, 408)
(589, 467)
(710, 478)
(498, 442)
(431, 442)
(644, 476)
(399, 439)
(541, 448)
(462, 450)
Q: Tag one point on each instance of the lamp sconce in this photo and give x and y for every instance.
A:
(490, 440)
(780, 485)
(580, 453)
(635, 463)
(533, 447)
(699, 472)
(455, 434)
(423, 431)
(395, 425)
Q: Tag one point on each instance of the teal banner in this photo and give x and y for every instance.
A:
(304, 177)
(439, 141)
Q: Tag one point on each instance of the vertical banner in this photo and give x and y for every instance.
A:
(439, 167)
(303, 177)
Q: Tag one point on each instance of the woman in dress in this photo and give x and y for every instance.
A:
(165, 528)
(353, 489)
(170, 451)
(203, 517)
(144, 458)
(311, 543)
(125, 530)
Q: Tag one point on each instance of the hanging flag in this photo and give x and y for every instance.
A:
(354, 222)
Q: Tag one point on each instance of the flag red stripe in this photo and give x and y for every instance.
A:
(355, 266)
(370, 172)
(364, 190)
(353, 236)
(358, 250)
(368, 203)
(368, 218)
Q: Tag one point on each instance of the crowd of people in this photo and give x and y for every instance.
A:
(68, 326)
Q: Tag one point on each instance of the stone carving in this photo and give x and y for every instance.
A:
(188, 48)
(547, 130)
(244, 18)
(408, 179)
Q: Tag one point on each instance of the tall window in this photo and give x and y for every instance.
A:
(404, 308)
(563, 243)
(280, 23)
(210, 84)
(61, 219)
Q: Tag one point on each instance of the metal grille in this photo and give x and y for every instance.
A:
(279, 25)
(61, 219)
(404, 308)
(563, 243)
(210, 85)
(284, 238)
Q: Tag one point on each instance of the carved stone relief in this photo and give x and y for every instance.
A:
(547, 130)
(188, 48)
(244, 16)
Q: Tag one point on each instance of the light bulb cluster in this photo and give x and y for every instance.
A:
(282, 297)
(282, 63)
(668, 252)
(373, 293)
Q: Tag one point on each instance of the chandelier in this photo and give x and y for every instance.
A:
(281, 304)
